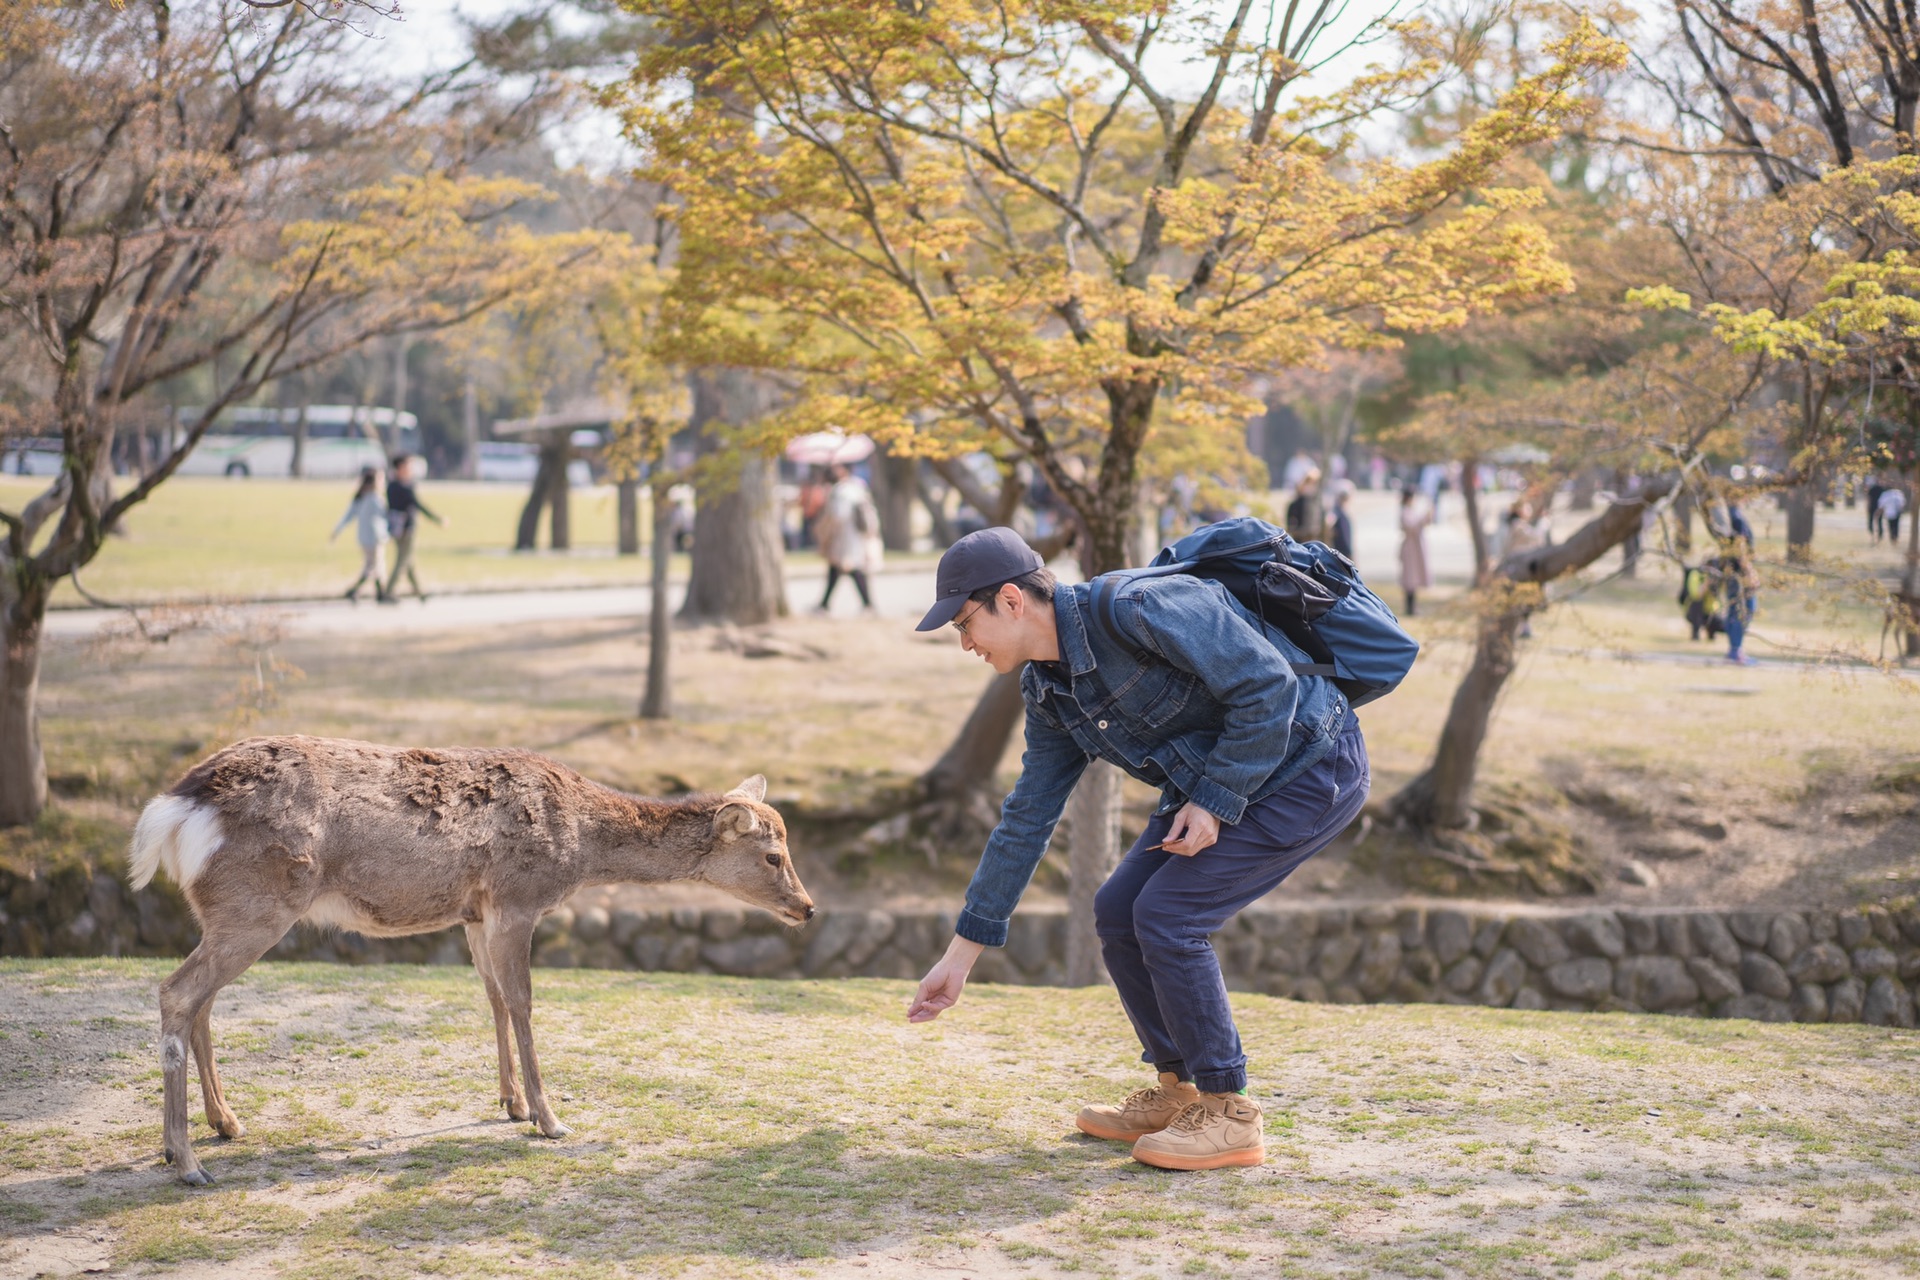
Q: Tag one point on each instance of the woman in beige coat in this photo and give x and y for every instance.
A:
(1414, 519)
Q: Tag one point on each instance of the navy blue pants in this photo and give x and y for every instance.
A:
(1154, 914)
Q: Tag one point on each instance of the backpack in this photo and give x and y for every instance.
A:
(1308, 591)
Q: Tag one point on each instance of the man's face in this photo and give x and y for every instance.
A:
(998, 635)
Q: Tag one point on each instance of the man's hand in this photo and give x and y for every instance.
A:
(940, 989)
(1193, 829)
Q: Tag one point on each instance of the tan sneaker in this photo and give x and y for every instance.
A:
(1219, 1131)
(1145, 1110)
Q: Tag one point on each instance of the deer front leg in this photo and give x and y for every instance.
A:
(510, 1095)
(219, 1114)
(510, 949)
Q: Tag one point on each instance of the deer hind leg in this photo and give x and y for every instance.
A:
(510, 950)
(510, 1095)
(223, 955)
(219, 1114)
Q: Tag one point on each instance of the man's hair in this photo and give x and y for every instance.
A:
(400, 460)
(1037, 583)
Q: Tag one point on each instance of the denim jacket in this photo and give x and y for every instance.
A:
(1194, 700)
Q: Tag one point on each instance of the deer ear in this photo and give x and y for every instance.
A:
(735, 820)
(754, 788)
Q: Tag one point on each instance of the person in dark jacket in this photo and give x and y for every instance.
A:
(403, 511)
(1339, 523)
(1258, 769)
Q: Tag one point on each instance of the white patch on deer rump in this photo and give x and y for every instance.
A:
(175, 835)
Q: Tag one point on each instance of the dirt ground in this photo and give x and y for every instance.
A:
(726, 1127)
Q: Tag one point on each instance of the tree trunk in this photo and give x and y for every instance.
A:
(971, 759)
(1682, 523)
(297, 465)
(893, 488)
(628, 492)
(559, 492)
(470, 429)
(1585, 485)
(1910, 580)
(1093, 817)
(944, 534)
(737, 552)
(23, 769)
(1470, 493)
(526, 537)
(1802, 502)
(399, 395)
(1442, 797)
(658, 702)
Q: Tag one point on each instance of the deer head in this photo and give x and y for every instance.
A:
(749, 857)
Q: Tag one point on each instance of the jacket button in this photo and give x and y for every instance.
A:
(1103, 724)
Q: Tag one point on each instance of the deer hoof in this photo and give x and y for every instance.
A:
(555, 1130)
(516, 1109)
(229, 1128)
(197, 1178)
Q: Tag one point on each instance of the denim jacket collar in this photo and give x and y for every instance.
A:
(1076, 653)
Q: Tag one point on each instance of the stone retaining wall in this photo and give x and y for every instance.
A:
(1817, 966)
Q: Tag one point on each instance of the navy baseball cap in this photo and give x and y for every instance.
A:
(985, 558)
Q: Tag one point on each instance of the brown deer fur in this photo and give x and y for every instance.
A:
(385, 842)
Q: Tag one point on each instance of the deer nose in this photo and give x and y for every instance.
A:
(810, 911)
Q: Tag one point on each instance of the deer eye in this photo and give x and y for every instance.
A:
(773, 859)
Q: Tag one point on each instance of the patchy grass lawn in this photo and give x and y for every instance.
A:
(725, 1127)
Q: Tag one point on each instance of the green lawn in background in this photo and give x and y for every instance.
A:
(728, 1127)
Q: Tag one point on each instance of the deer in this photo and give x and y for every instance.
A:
(385, 842)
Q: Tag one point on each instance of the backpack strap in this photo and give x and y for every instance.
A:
(1106, 590)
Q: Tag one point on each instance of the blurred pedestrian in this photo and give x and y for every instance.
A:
(1735, 585)
(1414, 519)
(849, 534)
(1306, 515)
(1339, 523)
(367, 513)
(1893, 502)
(404, 509)
(1874, 490)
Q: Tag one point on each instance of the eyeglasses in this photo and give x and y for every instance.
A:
(961, 624)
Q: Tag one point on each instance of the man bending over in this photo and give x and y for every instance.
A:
(1258, 768)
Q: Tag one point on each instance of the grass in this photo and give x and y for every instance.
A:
(739, 1128)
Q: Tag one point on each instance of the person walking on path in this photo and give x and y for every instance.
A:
(1306, 515)
(1874, 490)
(849, 534)
(1892, 504)
(1339, 523)
(1414, 519)
(1735, 585)
(1258, 770)
(403, 511)
(368, 515)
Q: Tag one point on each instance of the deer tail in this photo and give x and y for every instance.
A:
(175, 835)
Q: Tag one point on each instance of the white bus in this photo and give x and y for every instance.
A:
(251, 441)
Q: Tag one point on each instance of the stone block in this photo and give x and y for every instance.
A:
(891, 962)
(1310, 989)
(722, 924)
(1333, 920)
(1344, 993)
(876, 929)
(1536, 941)
(1464, 974)
(682, 954)
(1823, 926)
(1290, 928)
(1240, 958)
(1846, 999)
(1596, 933)
(649, 950)
(555, 925)
(1715, 940)
(1676, 934)
(1888, 1004)
(1410, 990)
(918, 936)
(686, 919)
(1883, 927)
(1788, 936)
(1755, 1006)
(1505, 975)
(1028, 939)
(1288, 956)
(1762, 975)
(1872, 962)
(1821, 962)
(1714, 981)
(625, 924)
(591, 924)
(1379, 962)
(994, 966)
(1910, 967)
(1809, 1003)
(1376, 915)
(1642, 932)
(1529, 998)
(1486, 937)
(1655, 982)
(1422, 967)
(829, 938)
(1410, 923)
(1333, 956)
(1751, 927)
(1587, 978)
(1449, 934)
(1908, 918)
(1855, 929)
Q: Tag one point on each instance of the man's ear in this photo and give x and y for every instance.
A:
(1014, 599)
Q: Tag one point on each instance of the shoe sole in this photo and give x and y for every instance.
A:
(1094, 1129)
(1192, 1164)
